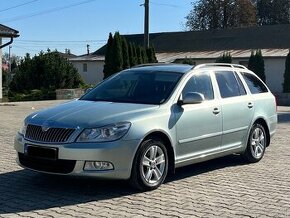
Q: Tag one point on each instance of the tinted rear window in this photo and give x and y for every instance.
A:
(254, 84)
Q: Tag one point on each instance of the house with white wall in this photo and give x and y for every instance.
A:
(206, 46)
(90, 67)
(5, 32)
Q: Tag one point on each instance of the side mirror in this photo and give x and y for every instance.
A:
(88, 90)
(191, 98)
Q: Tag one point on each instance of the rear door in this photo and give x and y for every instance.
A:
(237, 108)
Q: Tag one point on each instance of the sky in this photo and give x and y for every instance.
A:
(72, 24)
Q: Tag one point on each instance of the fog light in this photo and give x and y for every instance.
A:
(98, 165)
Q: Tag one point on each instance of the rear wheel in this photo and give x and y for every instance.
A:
(257, 143)
(150, 165)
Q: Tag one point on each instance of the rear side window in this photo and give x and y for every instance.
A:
(254, 84)
(199, 83)
(228, 84)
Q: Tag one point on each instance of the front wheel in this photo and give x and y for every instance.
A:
(257, 143)
(150, 165)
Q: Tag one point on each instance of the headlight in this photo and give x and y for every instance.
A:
(22, 130)
(105, 134)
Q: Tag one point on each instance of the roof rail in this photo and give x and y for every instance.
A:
(221, 65)
(151, 64)
(157, 64)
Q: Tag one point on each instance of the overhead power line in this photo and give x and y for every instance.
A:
(57, 41)
(47, 11)
(24, 48)
(167, 5)
(17, 6)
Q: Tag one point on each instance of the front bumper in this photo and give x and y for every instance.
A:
(120, 153)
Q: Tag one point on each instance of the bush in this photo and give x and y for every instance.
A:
(256, 64)
(225, 58)
(33, 95)
(47, 71)
(286, 84)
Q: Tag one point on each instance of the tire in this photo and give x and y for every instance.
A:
(257, 143)
(150, 165)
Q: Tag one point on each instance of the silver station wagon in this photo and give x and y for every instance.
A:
(144, 122)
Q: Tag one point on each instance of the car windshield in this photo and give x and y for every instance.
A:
(144, 87)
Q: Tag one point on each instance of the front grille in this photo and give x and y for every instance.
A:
(46, 165)
(35, 133)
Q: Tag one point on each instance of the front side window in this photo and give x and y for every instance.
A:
(200, 83)
(254, 84)
(144, 87)
(228, 84)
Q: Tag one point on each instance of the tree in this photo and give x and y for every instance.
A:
(256, 64)
(125, 52)
(144, 56)
(13, 64)
(150, 52)
(286, 84)
(188, 61)
(273, 12)
(135, 55)
(117, 62)
(219, 14)
(108, 67)
(4, 77)
(130, 52)
(121, 55)
(45, 71)
(251, 62)
(244, 14)
(225, 58)
(139, 55)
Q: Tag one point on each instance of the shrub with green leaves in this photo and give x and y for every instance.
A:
(286, 84)
(46, 71)
(225, 58)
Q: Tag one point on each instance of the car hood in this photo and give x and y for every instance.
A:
(86, 114)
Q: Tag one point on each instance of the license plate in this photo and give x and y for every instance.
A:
(41, 152)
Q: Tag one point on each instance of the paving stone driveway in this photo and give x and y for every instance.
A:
(220, 188)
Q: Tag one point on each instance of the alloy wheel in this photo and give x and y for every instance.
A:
(153, 164)
(258, 143)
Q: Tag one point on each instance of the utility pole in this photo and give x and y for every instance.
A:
(9, 76)
(146, 24)
(9, 58)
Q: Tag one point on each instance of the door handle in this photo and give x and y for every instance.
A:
(250, 105)
(216, 110)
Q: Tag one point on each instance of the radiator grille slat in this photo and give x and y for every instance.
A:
(35, 133)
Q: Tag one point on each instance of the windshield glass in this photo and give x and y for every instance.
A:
(142, 87)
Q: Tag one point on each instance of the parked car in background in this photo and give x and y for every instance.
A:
(146, 121)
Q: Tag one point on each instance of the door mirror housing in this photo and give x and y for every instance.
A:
(191, 98)
(88, 90)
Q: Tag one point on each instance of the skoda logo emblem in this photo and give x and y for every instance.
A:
(44, 128)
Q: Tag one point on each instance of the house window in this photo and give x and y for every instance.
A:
(85, 67)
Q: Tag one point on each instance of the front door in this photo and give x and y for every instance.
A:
(198, 126)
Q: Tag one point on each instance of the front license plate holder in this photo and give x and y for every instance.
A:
(41, 152)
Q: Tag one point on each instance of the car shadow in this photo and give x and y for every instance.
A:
(284, 117)
(204, 167)
(24, 190)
